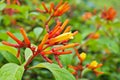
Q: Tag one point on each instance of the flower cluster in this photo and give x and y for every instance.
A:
(55, 40)
(87, 15)
(56, 37)
(93, 36)
(20, 44)
(13, 2)
(57, 10)
(109, 14)
(93, 65)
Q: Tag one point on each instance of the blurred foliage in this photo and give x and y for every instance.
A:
(105, 49)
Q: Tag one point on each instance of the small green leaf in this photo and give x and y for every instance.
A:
(38, 31)
(2, 6)
(83, 79)
(28, 54)
(3, 36)
(66, 59)
(85, 71)
(9, 49)
(9, 53)
(9, 57)
(11, 71)
(59, 73)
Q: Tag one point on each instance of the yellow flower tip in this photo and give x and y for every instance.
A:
(93, 65)
(67, 35)
(62, 37)
(82, 56)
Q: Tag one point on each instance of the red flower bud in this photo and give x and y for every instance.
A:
(27, 41)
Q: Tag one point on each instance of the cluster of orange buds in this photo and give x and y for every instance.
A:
(57, 39)
(10, 11)
(93, 66)
(57, 10)
(13, 2)
(109, 14)
(87, 15)
(20, 44)
(93, 36)
(79, 67)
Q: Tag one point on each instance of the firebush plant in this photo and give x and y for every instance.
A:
(56, 49)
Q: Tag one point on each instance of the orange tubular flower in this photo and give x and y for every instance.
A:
(98, 72)
(62, 37)
(61, 9)
(57, 10)
(44, 6)
(65, 52)
(62, 27)
(59, 4)
(27, 41)
(109, 14)
(40, 46)
(67, 29)
(74, 68)
(14, 2)
(87, 16)
(55, 29)
(93, 35)
(94, 65)
(8, 2)
(66, 46)
(51, 7)
(9, 44)
(20, 44)
(14, 38)
(46, 10)
(57, 53)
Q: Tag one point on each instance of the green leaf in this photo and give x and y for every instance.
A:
(66, 59)
(11, 71)
(28, 54)
(59, 73)
(9, 53)
(9, 57)
(85, 71)
(83, 79)
(8, 48)
(2, 6)
(3, 36)
(38, 31)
